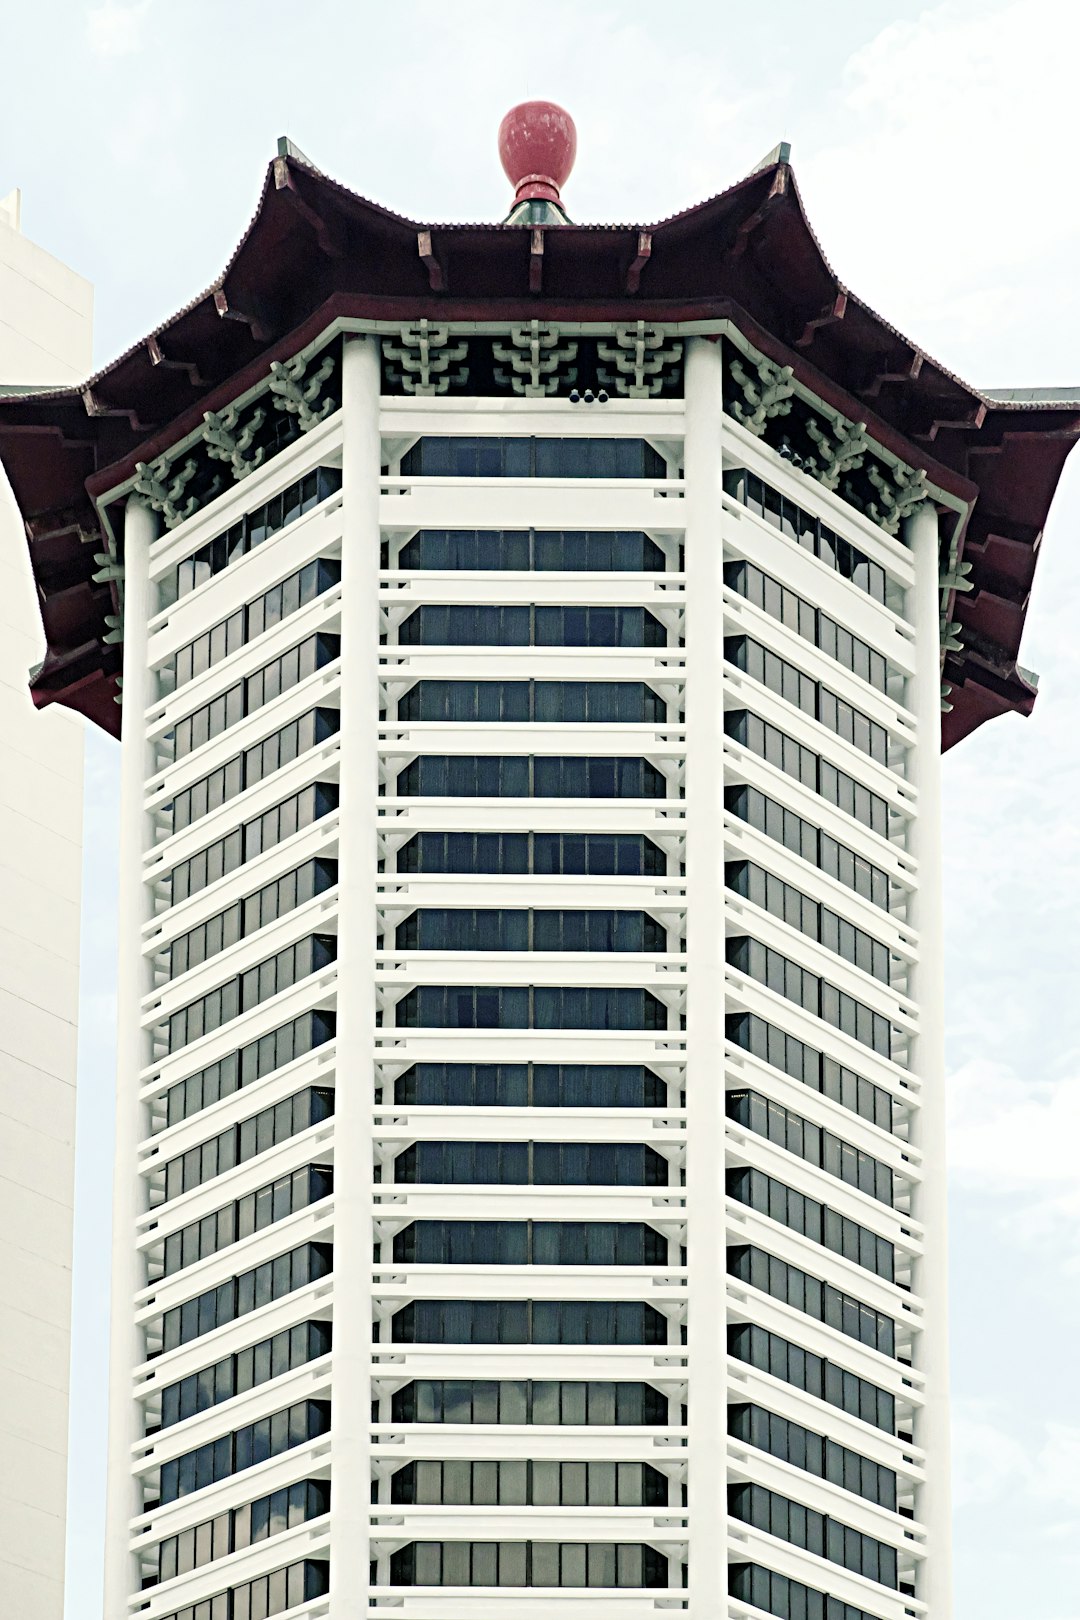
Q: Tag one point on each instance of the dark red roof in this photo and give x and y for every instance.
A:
(316, 251)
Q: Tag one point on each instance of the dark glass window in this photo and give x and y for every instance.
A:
(256, 1210)
(494, 776)
(525, 1400)
(251, 838)
(810, 917)
(815, 995)
(553, 854)
(467, 929)
(815, 1453)
(451, 1006)
(820, 1148)
(527, 1563)
(787, 1599)
(803, 1527)
(590, 551)
(244, 1369)
(250, 694)
(813, 1220)
(463, 457)
(781, 603)
(807, 530)
(823, 1379)
(243, 1448)
(241, 1527)
(485, 624)
(539, 1164)
(264, 1596)
(254, 765)
(251, 1062)
(251, 530)
(530, 1085)
(247, 916)
(809, 695)
(817, 1299)
(219, 1006)
(802, 838)
(248, 1292)
(514, 1483)
(244, 1141)
(227, 637)
(804, 1063)
(530, 1243)
(836, 787)
(516, 1321)
(505, 702)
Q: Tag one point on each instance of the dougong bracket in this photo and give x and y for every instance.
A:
(538, 363)
(900, 493)
(643, 359)
(766, 395)
(425, 355)
(226, 441)
(843, 452)
(162, 489)
(294, 391)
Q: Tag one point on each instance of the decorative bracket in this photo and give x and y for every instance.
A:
(224, 442)
(538, 363)
(766, 396)
(844, 452)
(900, 495)
(425, 355)
(296, 393)
(642, 363)
(162, 489)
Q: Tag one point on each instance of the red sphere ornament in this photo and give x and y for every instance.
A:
(537, 146)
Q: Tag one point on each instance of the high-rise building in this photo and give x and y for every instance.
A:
(537, 642)
(45, 321)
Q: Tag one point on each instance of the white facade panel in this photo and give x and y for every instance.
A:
(556, 1214)
(45, 320)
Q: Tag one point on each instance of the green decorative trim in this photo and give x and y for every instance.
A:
(161, 488)
(643, 365)
(767, 396)
(538, 364)
(226, 441)
(425, 355)
(843, 452)
(900, 492)
(295, 392)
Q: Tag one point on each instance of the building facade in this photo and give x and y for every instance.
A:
(45, 323)
(530, 1179)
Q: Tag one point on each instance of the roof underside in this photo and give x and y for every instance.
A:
(316, 251)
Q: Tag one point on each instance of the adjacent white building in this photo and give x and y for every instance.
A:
(45, 329)
(530, 1183)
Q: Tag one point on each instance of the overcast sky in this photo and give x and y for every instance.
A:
(934, 150)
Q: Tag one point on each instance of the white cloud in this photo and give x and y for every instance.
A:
(1008, 1133)
(956, 128)
(115, 29)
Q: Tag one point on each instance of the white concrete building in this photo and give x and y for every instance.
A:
(530, 1176)
(45, 325)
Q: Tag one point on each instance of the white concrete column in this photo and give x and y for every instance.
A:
(706, 1245)
(127, 1348)
(355, 1095)
(931, 1281)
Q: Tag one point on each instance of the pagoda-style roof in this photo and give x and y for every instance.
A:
(316, 252)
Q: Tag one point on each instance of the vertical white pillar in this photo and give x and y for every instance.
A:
(706, 1256)
(931, 1352)
(126, 1347)
(351, 1391)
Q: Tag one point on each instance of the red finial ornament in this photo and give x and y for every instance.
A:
(537, 146)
